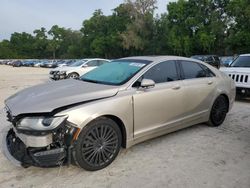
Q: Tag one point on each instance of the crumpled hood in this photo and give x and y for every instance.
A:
(235, 70)
(47, 97)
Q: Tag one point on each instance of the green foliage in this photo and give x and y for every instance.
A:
(6, 51)
(238, 38)
(140, 30)
(188, 27)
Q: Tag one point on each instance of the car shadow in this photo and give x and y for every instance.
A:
(242, 99)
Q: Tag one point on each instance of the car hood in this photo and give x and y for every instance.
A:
(47, 97)
(235, 69)
(66, 68)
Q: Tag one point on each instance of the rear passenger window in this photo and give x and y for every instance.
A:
(192, 70)
(209, 73)
(162, 72)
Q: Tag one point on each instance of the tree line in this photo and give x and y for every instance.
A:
(187, 27)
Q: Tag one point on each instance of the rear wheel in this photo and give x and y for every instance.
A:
(73, 75)
(218, 112)
(98, 144)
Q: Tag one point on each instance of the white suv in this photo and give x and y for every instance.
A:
(76, 69)
(239, 71)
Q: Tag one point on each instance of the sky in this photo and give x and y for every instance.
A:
(28, 15)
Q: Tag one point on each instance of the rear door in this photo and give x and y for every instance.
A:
(199, 87)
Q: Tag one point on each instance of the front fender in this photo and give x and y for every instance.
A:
(118, 106)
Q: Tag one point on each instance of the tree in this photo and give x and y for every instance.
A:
(187, 27)
(40, 43)
(197, 26)
(101, 34)
(56, 33)
(22, 43)
(6, 50)
(71, 44)
(140, 32)
(238, 33)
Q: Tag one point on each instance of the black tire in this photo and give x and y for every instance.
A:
(218, 112)
(73, 75)
(98, 144)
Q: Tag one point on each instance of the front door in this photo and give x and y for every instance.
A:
(161, 106)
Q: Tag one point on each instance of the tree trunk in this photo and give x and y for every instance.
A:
(54, 54)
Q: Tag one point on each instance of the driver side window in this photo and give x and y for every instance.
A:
(160, 73)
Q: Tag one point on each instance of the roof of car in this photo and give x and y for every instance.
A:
(88, 59)
(159, 58)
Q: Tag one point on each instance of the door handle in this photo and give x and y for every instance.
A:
(175, 87)
(210, 82)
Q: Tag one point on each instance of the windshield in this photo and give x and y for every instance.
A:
(115, 73)
(241, 61)
(77, 63)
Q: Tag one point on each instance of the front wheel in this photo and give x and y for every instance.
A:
(98, 144)
(218, 112)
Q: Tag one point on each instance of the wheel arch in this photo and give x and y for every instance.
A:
(73, 72)
(121, 127)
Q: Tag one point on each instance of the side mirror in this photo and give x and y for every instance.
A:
(147, 83)
(84, 66)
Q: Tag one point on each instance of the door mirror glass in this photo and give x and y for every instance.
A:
(147, 83)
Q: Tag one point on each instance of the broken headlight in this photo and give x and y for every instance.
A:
(41, 123)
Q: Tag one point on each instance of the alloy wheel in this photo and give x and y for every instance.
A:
(219, 110)
(100, 145)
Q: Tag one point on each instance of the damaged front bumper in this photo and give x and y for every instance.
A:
(49, 150)
(55, 75)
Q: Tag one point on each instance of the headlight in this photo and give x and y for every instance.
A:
(41, 123)
(62, 72)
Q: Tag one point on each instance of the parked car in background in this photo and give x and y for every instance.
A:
(49, 64)
(239, 71)
(42, 63)
(28, 63)
(10, 62)
(76, 69)
(213, 60)
(37, 63)
(17, 63)
(226, 60)
(116, 105)
(64, 63)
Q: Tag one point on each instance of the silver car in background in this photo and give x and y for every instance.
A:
(116, 105)
(76, 69)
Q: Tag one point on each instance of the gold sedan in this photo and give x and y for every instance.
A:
(118, 104)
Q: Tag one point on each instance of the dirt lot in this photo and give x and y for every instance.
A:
(199, 156)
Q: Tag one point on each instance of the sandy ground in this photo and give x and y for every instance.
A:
(199, 156)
